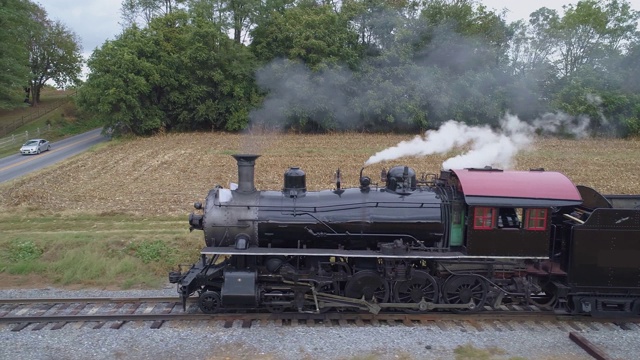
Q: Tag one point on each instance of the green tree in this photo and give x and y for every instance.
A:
(238, 17)
(179, 73)
(143, 11)
(366, 64)
(393, 91)
(532, 45)
(591, 31)
(630, 63)
(315, 35)
(306, 51)
(54, 54)
(450, 66)
(221, 90)
(588, 44)
(302, 99)
(14, 58)
(377, 22)
(119, 87)
(621, 101)
(531, 67)
(464, 34)
(235, 16)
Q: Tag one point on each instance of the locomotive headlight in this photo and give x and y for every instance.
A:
(197, 205)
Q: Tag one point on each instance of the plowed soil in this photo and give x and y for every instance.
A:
(166, 174)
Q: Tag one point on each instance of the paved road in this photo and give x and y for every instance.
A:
(15, 166)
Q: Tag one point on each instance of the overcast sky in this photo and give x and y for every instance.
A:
(98, 20)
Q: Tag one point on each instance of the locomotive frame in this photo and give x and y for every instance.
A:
(460, 241)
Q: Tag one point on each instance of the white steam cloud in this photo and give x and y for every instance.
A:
(489, 147)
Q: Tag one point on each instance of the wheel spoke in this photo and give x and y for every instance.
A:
(477, 287)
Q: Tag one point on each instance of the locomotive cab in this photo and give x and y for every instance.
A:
(506, 213)
(500, 231)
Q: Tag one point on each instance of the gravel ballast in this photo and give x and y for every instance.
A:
(210, 340)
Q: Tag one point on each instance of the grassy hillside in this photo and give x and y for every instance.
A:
(54, 118)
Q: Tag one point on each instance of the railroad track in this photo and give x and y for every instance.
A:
(96, 313)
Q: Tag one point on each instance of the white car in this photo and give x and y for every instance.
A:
(35, 146)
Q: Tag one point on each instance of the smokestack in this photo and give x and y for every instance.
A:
(246, 163)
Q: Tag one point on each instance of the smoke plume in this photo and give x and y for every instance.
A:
(488, 147)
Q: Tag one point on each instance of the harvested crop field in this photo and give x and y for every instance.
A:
(165, 174)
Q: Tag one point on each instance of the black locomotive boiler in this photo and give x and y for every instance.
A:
(464, 240)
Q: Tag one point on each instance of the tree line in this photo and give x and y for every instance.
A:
(365, 65)
(35, 50)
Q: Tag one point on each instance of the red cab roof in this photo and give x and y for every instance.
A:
(517, 188)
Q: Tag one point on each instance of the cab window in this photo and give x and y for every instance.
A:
(484, 218)
(536, 219)
(509, 218)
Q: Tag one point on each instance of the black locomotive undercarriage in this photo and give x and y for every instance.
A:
(315, 284)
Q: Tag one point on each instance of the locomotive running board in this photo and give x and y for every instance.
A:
(411, 254)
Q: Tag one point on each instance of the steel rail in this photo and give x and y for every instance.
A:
(101, 317)
(93, 300)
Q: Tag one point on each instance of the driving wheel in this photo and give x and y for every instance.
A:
(420, 286)
(369, 284)
(463, 289)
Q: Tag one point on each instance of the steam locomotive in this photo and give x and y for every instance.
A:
(463, 240)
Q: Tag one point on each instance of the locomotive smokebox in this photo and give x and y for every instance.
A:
(246, 164)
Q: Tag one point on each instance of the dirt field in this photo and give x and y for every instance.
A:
(165, 174)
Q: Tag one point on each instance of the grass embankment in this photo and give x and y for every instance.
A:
(113, 251)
